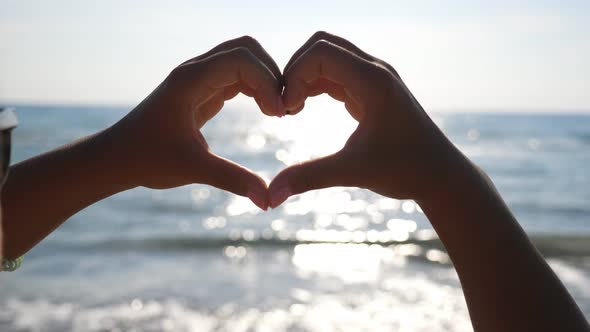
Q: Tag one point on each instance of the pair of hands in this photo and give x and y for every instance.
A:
(396, 150)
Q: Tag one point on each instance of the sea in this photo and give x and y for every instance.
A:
(195, 258)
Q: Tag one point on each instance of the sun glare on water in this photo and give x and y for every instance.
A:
(320, 129)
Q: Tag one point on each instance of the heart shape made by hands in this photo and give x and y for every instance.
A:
(389, 119)
(290, 140)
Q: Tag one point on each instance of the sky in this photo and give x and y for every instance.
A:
(454, 55)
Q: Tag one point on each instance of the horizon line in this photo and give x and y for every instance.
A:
(503, 110)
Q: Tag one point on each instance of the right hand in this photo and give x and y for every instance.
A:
(396, 150)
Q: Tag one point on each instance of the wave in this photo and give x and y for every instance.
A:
(172, 314)
(550, 245)
(546, 208)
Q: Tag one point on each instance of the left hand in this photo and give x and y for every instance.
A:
(160, 140)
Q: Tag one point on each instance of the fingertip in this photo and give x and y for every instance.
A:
(278, 195)
(258, 193)
(270, 103)
(268, 108)
(259, 199)
(289, 101)
(229, 176)
(280, 189)
(295, 110)
(293, 95)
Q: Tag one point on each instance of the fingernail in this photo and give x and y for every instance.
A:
(259, 199)
(277, 197)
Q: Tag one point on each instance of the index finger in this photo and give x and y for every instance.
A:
(237, 67)
(360, 79)
(342, 42)
(251, 44)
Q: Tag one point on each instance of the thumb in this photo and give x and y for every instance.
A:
(329, 171)
(229, 176)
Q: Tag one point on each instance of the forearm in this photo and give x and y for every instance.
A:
(508, 286)
(43, 192)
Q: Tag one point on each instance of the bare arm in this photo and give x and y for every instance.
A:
(42, 192)
(399, 152)
(507, 284)
(157, 145)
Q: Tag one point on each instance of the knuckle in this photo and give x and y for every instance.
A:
(178, 73)
(322, 47)
(232, 57)
(383, 83)
(388, 67)
(379, 74)
(240, 52)
(194, 72)
(248, 41)
(321, 34)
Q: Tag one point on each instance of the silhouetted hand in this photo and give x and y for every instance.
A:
(162, 138)
(399, 152)
(157, 145)
(396, 150)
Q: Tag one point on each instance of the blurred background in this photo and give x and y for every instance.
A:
(507, 81)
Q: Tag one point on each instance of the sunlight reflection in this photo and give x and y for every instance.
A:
(136, 304)
(372, 235)
(277, 224)
(408, 249)
(297, 309)
(405, 225)
(375, 215)
(323, 220)
(313, 141)
(200, 194)
(284, 235)
(408, 206)
(235, 252)
(256, 141)
(350, 223)
(328, 201)
(214, 222)
(425, 235)
(399, 232)
(249, 235)
(241, 205)
(351, 263)
(401, 228)
(435, 255)
(301, 294)
(389, 204)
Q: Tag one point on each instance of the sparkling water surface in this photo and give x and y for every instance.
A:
(342, 259)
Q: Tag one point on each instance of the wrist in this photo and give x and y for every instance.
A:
(133, 147)
(440, 167)
(111, 161)
(453, 175)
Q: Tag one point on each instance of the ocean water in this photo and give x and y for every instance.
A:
(342, 259)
